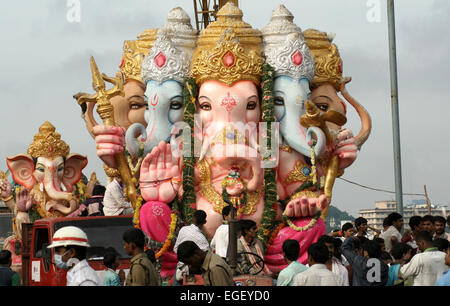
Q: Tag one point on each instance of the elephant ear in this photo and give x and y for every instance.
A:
(72, 170)
(22, 168)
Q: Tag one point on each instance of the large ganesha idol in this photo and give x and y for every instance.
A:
(48, 173)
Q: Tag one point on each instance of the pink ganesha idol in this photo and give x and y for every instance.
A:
(303, 180)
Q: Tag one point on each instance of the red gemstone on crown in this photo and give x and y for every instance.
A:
(297, 58)
(160, 59)
(228, 59)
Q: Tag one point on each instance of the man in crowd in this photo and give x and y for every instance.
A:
(214, 269)
(439, 228)
(444, 280)
(392, 235)
(113, 202)
(401, 253)
(368, 269)
(291, 250)
(415, 225)
(70, 244)
(318, 274)
(142, 272)
(333, 264)
(193, 233)
(361, 227)
(427, 224)
(8, 277)
(219, 243)
(427, 266)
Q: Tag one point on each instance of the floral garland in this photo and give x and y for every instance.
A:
(190, 92)
(168, 242)
(270, 194)
(302, 228)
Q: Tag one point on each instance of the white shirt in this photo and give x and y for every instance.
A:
(426, 268)
(82, 275)
(340, 270)
(191, 233)
(220, 240)
(318, 275)
(113, 202)
(387, 235)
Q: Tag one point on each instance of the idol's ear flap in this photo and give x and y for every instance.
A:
(73, 167)
(22, 168)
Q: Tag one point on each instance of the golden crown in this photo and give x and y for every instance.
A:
(228, 50)
(134, 53)
(328, 63)
(47, 143)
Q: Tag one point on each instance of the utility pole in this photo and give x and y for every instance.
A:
(428, 199)
(394, 107)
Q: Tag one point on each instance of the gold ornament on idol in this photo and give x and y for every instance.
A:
(229, 50)
(47, 143)
(209, 193)
(134, 52)
(327, 61)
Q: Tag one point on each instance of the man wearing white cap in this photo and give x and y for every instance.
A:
(70, 245)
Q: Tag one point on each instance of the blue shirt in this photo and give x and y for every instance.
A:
(286, 276)
(393, 274)
(444, 280)
(111, 278)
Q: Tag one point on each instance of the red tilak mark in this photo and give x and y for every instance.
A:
(297, 58)
(229, 102)
(160, 59)
(155, 100)
(228, 59)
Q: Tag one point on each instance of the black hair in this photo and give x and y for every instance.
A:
(427, 218)
(347, 226)
(362, 240)
(291, 249)
(136, 236)
(441, 244)
(337, 248)
(379, 240)
(318, 252)
(424, 236)
(448, 219)
(385, 256)
(186, 250)
(393, 217)
(439, 219)
(151, 255)
(109, 259)
(325, 239)
(372, 248)
(414, 222)
(5, 257)
(399, 250)
(80, 251)
(98, 190)
(246, 225)
(359, 221)
(226, 211)
(199, 216)
(386, 222)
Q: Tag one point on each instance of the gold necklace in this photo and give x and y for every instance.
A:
(209, 193)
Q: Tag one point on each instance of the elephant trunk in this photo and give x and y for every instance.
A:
(366, 121)
(299, 142)
(53, 189)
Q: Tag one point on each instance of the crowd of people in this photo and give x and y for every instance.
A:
(349, 256)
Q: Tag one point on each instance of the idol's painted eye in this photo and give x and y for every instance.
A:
(251, 105)
(137, 102)
(40, 169)
(176, 103)
(206, 106)
(322, 106)
(279, 101)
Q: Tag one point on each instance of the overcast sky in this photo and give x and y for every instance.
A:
(45, 60)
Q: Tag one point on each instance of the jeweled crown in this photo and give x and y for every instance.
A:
(47, 143)
(285, 47)
(171, 54)
(229, 50)
(328, 63)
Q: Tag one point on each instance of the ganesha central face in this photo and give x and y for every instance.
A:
(229, 117)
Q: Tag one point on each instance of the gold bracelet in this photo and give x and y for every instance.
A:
(7, 199)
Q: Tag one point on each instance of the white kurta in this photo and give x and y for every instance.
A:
(220, 240)
(318, 275)
(82, 275)
(426, 268)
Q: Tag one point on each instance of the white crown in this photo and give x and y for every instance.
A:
(171, 54)
(285, 47)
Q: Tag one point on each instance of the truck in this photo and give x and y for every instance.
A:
(38, 268)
